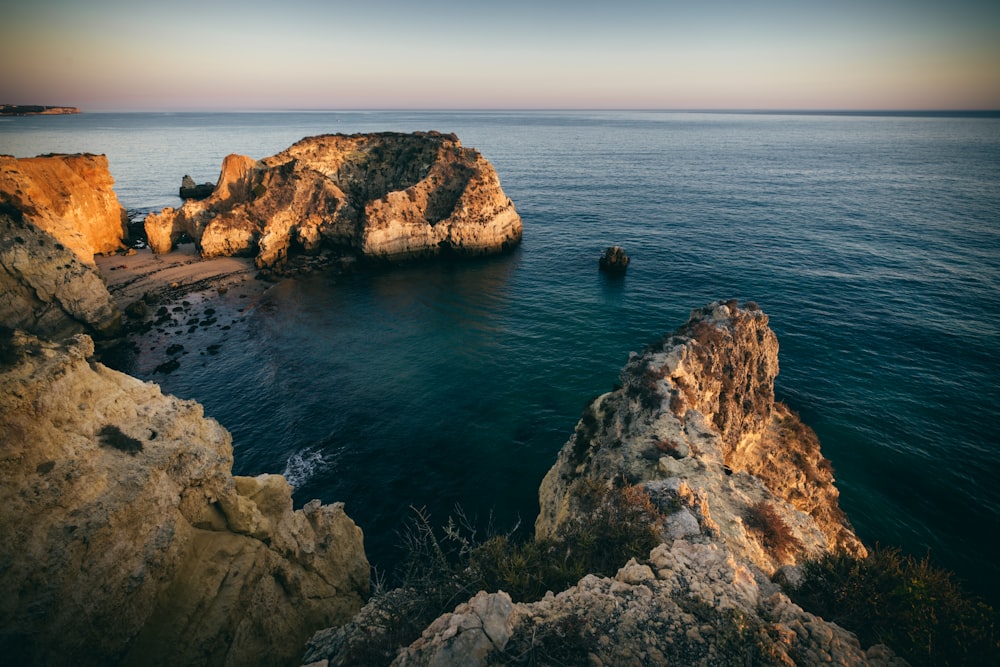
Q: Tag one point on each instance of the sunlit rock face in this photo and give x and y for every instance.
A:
(69, 196)
(45, 288)
(695, 422)
(387, 196)
(126, 539)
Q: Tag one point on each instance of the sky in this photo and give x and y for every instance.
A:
(136, 55)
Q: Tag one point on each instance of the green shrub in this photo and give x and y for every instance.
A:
(445, 567)
(908, 604)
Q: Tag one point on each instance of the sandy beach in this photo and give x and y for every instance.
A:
(176, 304)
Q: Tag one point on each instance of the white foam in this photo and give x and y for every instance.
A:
(304, 465)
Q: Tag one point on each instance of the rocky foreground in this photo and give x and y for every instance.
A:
(387, 196)
(128, 541)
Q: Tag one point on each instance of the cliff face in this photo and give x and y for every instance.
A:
(695, 423)
(45, 288)
(388, 196)
(739, 491)
(56, 213)
(128, 541)
(68, 196)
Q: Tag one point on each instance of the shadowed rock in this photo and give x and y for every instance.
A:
(614, 260)
(127, 540)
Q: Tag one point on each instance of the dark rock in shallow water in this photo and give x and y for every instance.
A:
(190, 190)
(614, 260)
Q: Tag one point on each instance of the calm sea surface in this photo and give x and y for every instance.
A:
(873, 242)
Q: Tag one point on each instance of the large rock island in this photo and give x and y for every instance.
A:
(387, 196)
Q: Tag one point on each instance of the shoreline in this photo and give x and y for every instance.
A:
(175, 304)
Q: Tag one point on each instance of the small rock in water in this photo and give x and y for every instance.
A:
(614, 260)
(168, 366)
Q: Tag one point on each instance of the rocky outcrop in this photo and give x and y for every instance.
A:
(35, 110)
(128, 541)
(613, 260)
(738, 491)
(191, 190)
(687, 604)
(68, 196)
(696, 424)
(388, 196)
(45, 288)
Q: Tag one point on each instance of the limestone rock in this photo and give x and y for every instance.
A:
(128, 541)
(696, 424)
(467, 636)
(45, 288)
(388, 196)
(688, 604)
(191, 190)
(68, 196)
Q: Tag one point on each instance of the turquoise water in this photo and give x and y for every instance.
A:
(873, 242)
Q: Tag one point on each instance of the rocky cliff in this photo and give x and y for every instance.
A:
(387, 196)
(128, 541)
(695, 421)
(738, 492)
(56, 213)
(68, 196)
(45, 287)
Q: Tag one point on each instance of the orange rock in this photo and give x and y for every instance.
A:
(389, 196)
(68, 196)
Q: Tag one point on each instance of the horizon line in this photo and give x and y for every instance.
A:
(719, 110)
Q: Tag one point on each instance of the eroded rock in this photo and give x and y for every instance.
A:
(45, 288)
(696, 424)
(69, 196)
(128, 541)
(388, 196)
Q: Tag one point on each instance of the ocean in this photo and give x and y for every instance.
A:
(871, 240)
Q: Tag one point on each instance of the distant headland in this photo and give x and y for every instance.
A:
(34, 110)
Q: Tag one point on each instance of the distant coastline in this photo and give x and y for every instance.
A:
(34, 110)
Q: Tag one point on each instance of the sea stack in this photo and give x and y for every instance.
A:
(386, 196)
(614, 260)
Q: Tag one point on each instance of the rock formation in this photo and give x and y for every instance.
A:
(191, 190)
(739, 491)
(128, 541)
(56, 213)
(45, 288)
(613, 260)
(387, 196)
(68, 196)
(696, 422)
(686, 604)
